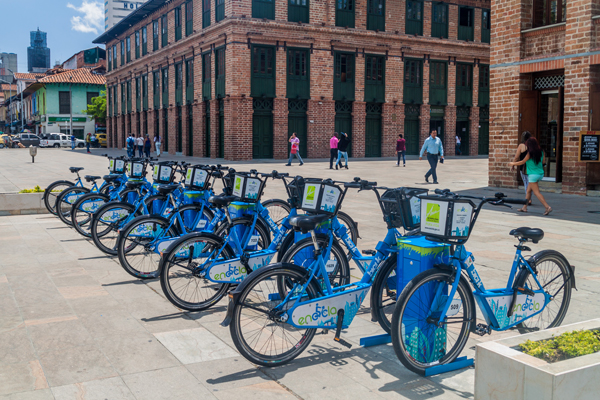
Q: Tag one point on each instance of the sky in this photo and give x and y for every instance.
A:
(71, 26)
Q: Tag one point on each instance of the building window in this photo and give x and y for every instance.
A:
(122, 52)
(484, 85)
(156, 88)
(485, 25)
(344, 13)
(343, 79)
(189, 81)
(439, 20)
(137, 45)
(144, 41)
(414, 17)
(155, 35)
(465, 23)
(464, 84)
(376, 15)
(205, 13)
(219, 10)
(115, 56)
(438, 90)
(178, 31)
(128, 48)
(413, 81)
(165, 87)
(548, 12)
(298, 11)
(145, 92)
(263, 71)
(189, 18)
(298, 74)
(206, 74)
(263, 9)
(128, 96)
(164, 25)
(179, 84)
(375, 79)
(64, 103)
(220, 72)
(109, 60)
(90, 96)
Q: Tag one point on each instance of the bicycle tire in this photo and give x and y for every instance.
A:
(103, 226)
(278, 209)
(152, 259)
(403, 307)
(50, 197)
(173, 270)
(384, 293)
(65, 201)
(80, 218)
(542, 259)
(266, 283)
(350, 224)
(302, 254)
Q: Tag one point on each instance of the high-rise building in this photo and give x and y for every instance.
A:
(38, 53)
(116, 10)
(8, 62)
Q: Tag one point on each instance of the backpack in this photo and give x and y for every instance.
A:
(130, 141)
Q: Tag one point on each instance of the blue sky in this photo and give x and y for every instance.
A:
(71, 26)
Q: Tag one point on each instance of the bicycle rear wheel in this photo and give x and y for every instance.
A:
(106, 223)
(64, 202)
(183, 278)
(553, 274)
(257, 332)
(350, 225)
(419, 342)
(385, 292)
(278, 209)
(52, 192)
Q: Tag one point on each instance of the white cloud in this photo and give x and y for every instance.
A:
(92, 20)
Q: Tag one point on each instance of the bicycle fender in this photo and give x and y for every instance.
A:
(534, 259)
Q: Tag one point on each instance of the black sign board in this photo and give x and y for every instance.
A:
(589, 146)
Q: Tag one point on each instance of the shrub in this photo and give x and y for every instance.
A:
(568, 345)
(36, 189)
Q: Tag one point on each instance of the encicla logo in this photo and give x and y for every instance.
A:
(433, 213)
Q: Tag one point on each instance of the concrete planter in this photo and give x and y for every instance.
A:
(22, 203)
(503, 372)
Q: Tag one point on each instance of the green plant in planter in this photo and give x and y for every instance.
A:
(568, 345)
(36, 189)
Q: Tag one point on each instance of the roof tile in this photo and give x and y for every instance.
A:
(81, 75)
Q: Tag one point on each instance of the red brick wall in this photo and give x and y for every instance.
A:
(321, 125)
(543, 42)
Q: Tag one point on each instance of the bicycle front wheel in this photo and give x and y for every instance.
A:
(257, 332)
(83, 211)
(419, 340)
(106, 223)
(64, 202)
(52, 192)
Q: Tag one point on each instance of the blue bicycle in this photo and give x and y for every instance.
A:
(436, 311)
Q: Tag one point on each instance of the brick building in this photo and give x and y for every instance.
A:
(234, 78)
(545, 78)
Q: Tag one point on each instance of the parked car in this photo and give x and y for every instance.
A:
(101, 139)
(5, 141)
(26, 139)
(59, 140)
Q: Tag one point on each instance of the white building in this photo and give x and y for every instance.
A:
(116, 10)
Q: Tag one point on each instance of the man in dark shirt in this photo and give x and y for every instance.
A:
(401, 150)
(342, 149)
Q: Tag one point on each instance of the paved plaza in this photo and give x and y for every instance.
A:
(74, 325)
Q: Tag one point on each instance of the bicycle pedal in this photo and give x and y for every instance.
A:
(342, 342)
(369, 252)
(483, 329)
(526, 291)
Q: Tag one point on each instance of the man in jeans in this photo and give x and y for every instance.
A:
(342, 149)
(433, 146)
(333, 150)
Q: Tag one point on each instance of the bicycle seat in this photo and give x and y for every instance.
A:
(90, 178)
(134, 184)
(533, 234)
(307, 223)
(75, 169)
(166, 189)
(111, 178)
(222, 200)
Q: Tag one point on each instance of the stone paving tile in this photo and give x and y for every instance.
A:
(54, 336)
(169, 383)
(21, 377)
(111, 322)
(195, 345)
(102, 389)
(258, 391)
(15, 346)
(227, 373)
(45, 394)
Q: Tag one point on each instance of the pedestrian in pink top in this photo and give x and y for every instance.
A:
(333, 149)
(295, 150)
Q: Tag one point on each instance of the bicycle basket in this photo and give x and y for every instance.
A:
(116, 166)
(163, 172)
(321, 196)
(197, 178)
(446, 219)
(248, 188)
(401, 207)
(136, 169)
(295, 190)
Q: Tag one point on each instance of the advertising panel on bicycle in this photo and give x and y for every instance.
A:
(461, 219)
(311, 196)
(434, 214)
(331, 196)
(252, 188)
(238, 186)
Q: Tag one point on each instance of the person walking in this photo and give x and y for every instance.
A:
(140, 145)
(72, 142)
(534, 160)
(147, 146)
(333, 150)
(433, 146)
(342, 149)
(401, 150)
(157, 144)
(519, 156)
(458, 151)
(88, 141)
(130, 146)
(295, 150)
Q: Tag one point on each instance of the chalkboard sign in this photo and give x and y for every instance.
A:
(589, 146)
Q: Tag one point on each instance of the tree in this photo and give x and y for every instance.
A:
(97, 109)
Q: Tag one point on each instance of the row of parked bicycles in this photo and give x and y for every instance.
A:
(285, 264)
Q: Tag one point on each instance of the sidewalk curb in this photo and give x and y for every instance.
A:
(22, 204)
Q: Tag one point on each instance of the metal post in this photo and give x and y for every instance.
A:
(71, 106)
